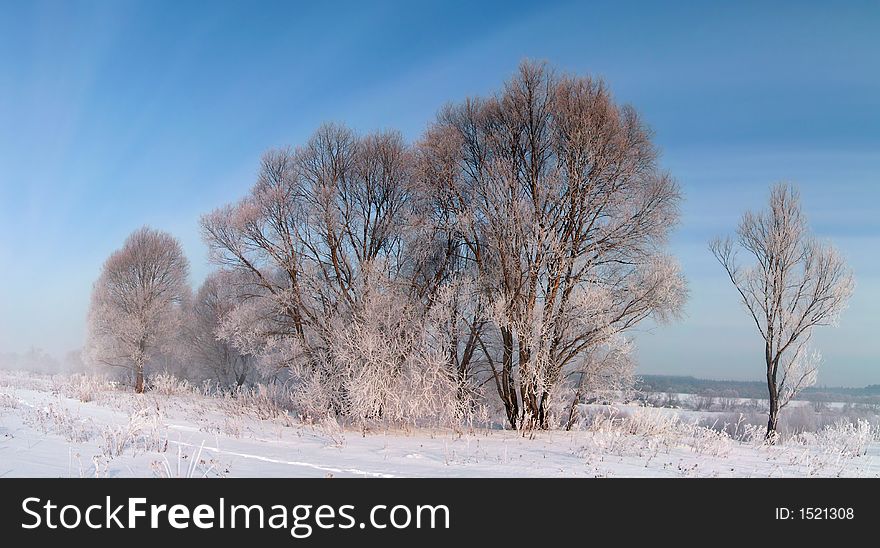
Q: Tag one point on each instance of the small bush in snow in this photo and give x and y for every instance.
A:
(8, 401)
(844, 438)
(169, 385)
(56, 419)
(706, 441)
(647, 432)
(188, 465)
(84, 387)
(263, 402)
(143, 432)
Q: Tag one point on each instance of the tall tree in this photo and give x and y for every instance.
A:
(137, 302)
(562, 212)
(795, 284)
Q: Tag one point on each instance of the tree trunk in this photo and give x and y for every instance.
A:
(529, 419)
(139, 379)
(573, 409)
(139, 359)
(543, 423)
(508, 395)
(773, 415)
(773, 389)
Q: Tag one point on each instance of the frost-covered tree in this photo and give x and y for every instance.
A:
(794, 284)
(329, 229)
(512, 247)
(560, 213)
(208, 355)
(137, 303)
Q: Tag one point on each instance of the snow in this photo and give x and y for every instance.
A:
(46, 432)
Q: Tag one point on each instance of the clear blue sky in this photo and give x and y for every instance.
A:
(116, 114)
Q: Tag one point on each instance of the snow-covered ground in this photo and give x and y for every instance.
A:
(46, 429)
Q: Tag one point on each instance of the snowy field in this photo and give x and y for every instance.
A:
(78, 426)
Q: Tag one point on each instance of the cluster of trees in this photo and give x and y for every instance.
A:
(507, 252)
(499, 260)
(143, 314)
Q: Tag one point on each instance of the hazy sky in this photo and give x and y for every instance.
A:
(118, 114)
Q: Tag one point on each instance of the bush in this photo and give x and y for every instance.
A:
(842, 438)
(144, 431)
(8, 401)
(84, 387)
(169, 385)
(56, 419)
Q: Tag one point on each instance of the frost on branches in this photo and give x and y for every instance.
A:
(507, 252)
(795, 284)
(561, 214)
(497, 264)
(137, 304)
(208, 356)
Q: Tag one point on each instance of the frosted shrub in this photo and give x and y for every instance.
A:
(85, 387)
(268, 401)
(662, 399)
(263, 401)
(56, 419)
(382, 368)
(796, 420)
(433, 394)
(188, 465)
(651, 422)
(844, 438)
(8, 401)
(314, 398)
(702, 403)
(331, 428)
(743, 427)
(396, 386)
(169, 385)
(644, 431)
(650, 431)
(375, 369)
(706, 441)
(143, 432)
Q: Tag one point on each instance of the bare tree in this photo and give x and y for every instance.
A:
(795, 284)
(561, 213)
(326, 226)
(137, 302)
(516, 244)
(208, 355)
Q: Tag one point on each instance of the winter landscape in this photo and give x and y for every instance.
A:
(85, 427)
(478, 294)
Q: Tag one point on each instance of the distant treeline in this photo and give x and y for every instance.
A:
(37, 360)
(752, 389)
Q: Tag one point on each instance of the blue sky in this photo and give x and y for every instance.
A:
(118, 114)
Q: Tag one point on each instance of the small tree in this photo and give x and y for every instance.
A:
(136, 303)
(796, 284)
